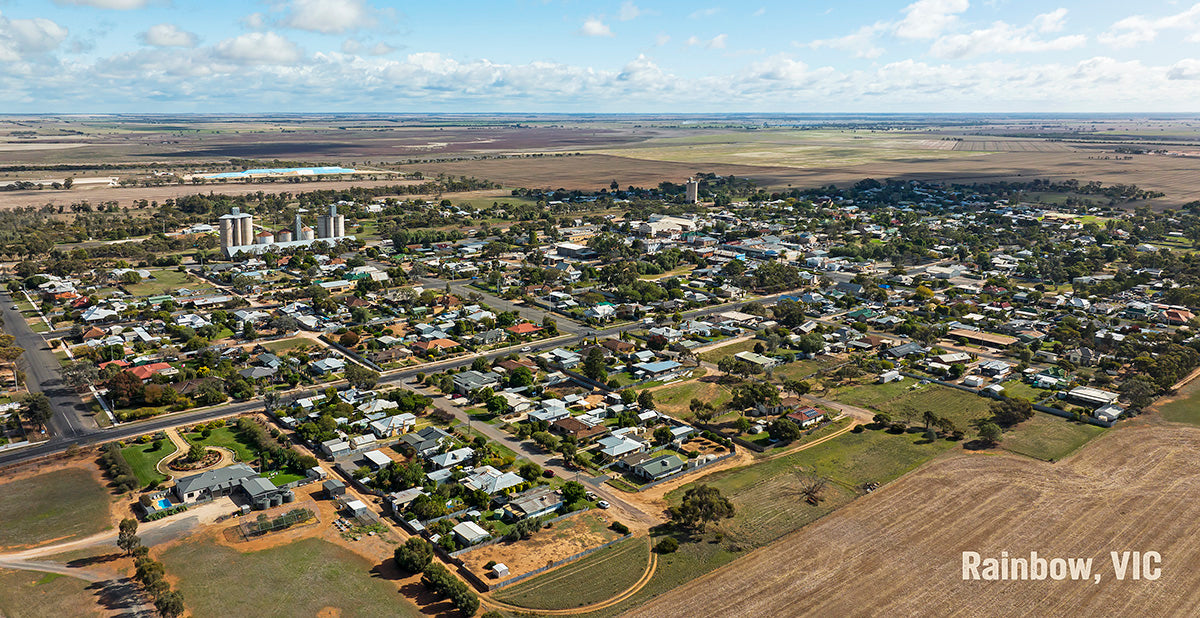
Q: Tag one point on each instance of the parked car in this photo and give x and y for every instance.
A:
(603, 504)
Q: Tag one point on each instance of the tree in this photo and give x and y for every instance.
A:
(742, 424)
(1011, 411)
(360, 377)
(783, 429)
(989, 433)
(702, 505)
(80, 373)
(39, 410)
(702, 410)
(748, 394)
(593, 365)
(662, 435)
(169, 604)
(127, 538)
(811, 486)
(797, 387)
(9, 353)
(195, 453)
(645, 399)
(521, 376)
(573, 492)
(414, 555)
(349, 339)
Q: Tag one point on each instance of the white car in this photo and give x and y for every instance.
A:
(603, 504)
(524, 349)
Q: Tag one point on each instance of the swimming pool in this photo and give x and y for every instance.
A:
(162, 504)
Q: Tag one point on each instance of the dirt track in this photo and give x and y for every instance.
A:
(898, 551)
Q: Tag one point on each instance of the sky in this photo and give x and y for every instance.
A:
(620, 56)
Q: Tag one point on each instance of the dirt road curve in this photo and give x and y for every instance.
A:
(899, 551)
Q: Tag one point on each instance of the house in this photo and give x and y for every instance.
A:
(616, 447)
(805, 417)
(425, 442)
(389, 355)
(579, 431)
(393, 425)
(1092, 396)
(903, 350)
(1109, 413)
(356, 508)
(470, 533)
(602, 312)
(754, 358)
(453, 458)
(534, 502)
(470, 381)
(145, 372)
(326, 366)
(995, 369)
(524, 328)
(238, 478)
(440, 344)
(658, 467)
(335, 448)
(656, 370)
(491, 480)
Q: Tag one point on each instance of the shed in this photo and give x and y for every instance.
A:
(500, 570)
(334, 488)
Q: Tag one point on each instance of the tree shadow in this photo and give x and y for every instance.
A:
(977, 445)
(91, 560)
(119, 594)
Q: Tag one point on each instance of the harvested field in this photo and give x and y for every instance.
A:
(1134, 489)
(61, 505)
(33, 594)
(596, 577)
(565, 539)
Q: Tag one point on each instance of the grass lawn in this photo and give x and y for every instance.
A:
(766, 495)
(676, 398)
(801, 369)
(1048, 437)
(228, 438)
(143, 459)
(167, 282)
(716, 354)
(62, 505)
(1017, 388)
(1185, 408)
(283, 345)
(34, 594)
(901, 398)
(299, 579)
(281, 478)
(598, 576)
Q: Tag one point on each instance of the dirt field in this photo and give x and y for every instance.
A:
(567, 538)
(898, 551)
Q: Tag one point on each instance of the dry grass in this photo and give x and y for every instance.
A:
(898, 551)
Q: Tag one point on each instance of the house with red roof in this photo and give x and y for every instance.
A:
(524, 328)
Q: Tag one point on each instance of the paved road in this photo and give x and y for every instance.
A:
(72, 419)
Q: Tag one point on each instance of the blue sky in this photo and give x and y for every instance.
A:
(594, 56)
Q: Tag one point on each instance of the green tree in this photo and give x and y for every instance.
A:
(127, 538)
(702, 505)
(662, 435)
(573, 493)
(783, 429)
(414, 555)
(593, 365)
(360, 377)
(169, 604)
(989, 433)
(645, 399)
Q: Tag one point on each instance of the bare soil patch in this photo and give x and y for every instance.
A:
(565, 539)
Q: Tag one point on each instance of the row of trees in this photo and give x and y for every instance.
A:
(149, 572)
(416, 556)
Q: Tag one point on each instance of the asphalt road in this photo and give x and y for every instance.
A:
(72, 417)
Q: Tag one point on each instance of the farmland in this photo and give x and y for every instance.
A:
(596, 577)
(904, 542)
(1183, 407)
(30, 594)
(307, 578)
(60, 505)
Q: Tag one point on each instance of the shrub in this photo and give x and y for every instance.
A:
(667, 546)
(857, 429)
(619, 528)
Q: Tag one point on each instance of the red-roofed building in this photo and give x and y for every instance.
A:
(524, 328)
(427, 347)
(145, 372)
(120, 363)
(805, 417)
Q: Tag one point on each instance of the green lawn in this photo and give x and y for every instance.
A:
(598, 576)
(1017, 388)
(1185, 408)
(1048, 437)
(716, 354)
(908, 400)
(166, 282)
(801, 369)
(766, 495)
(676, 398)
(33, 594)
(299, 579)
(228, 438)
(61, 506)
(143, 459)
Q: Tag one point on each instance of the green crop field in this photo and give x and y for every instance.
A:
(598, 576)
(60, 506)
(299, 579)
(143, 458)
(1048, 437)
(1184, 408)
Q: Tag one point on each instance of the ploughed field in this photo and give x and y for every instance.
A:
(899, 550)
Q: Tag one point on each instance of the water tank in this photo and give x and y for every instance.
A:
(289, 496)
(276, 500)
(261, 503)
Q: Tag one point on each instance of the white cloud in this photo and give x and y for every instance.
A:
(351, 46)
(760, 12)
(19, 37)
(259, 48)
(662, 39)
(381, 49)
(329, 16)
(1138, 29)
(255, 21)
(861, 42)
(717, 42)
(927, 19)
(629, 11)
(594, 27)
(116, 5)
(168, 35)
(1186, 69)
(709, 12)
(1001, 38)
(1050, 22)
